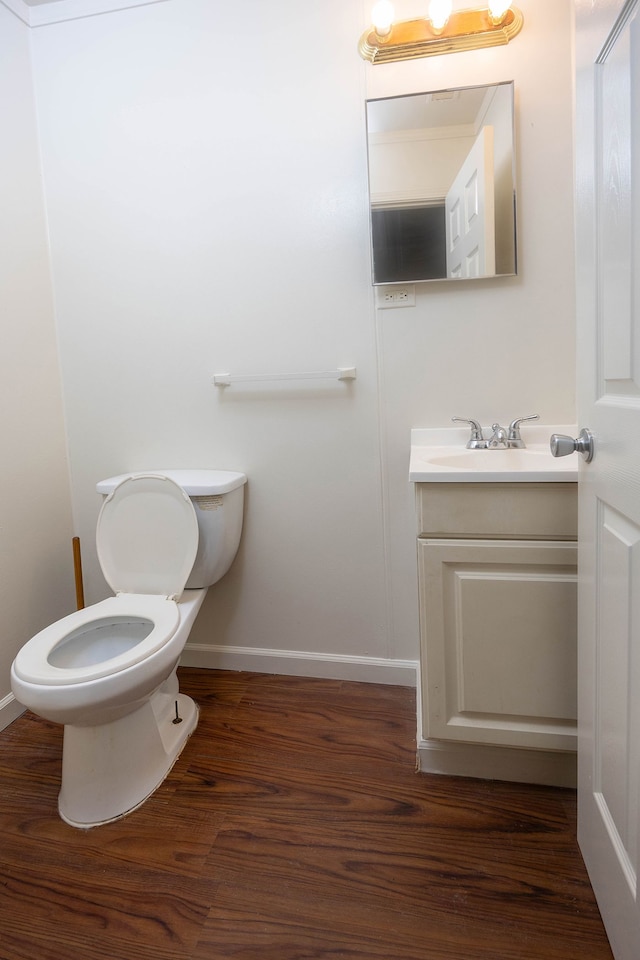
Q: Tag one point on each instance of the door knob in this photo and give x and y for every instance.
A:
(562, 445)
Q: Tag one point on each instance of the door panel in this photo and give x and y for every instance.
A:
(614, 95)
(614, 782)
(608, 264)
(470, 213)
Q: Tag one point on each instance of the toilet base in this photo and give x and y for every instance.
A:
(110, 769)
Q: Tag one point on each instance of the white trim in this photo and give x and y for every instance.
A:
(553, 768)
(20, 9)
(465, 131)
(61, 10)
(298, 663)
(398, 199)
(10, 710)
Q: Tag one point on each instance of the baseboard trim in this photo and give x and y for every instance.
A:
(299, 663)
(10, 710)
(551, 768)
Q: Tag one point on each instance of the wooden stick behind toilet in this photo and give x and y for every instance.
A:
(77, 570)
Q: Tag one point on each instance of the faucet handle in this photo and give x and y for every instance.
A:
(514, 426)
(476, 439)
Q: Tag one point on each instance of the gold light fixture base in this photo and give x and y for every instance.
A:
(465, 30)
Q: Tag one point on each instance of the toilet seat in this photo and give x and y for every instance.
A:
(33, 664)
(147, 539)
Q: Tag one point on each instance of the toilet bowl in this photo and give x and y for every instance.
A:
(108, 672)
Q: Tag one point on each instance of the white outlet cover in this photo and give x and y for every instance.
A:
(395, 295)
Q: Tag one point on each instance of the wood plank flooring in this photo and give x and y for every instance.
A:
(293, 827)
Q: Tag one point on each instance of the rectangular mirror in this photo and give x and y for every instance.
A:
(442, 184)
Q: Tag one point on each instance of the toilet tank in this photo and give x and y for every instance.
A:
(218, 500)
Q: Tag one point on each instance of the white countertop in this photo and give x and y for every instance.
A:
(439, 455)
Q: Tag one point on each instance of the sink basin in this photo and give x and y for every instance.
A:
(528, 458)
(439, 457)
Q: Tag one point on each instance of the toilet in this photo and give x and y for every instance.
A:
(108, 672)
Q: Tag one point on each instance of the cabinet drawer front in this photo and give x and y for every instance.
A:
(540, 511)
(499, 638)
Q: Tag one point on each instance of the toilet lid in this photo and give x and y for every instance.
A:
(147, 536)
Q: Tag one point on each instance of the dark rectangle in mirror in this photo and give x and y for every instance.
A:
(409, 244)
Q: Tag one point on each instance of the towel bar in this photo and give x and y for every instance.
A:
(342, 373)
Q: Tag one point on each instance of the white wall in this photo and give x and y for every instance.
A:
(36, 574)
(492, 350)
(205, 173)
(206, 183)
(424, 165)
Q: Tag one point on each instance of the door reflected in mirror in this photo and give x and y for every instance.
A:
(442, 184)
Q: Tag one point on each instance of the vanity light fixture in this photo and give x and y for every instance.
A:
(441, 31)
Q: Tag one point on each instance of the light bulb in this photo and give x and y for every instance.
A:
(439, 13)
(498, 10)
(382, 17)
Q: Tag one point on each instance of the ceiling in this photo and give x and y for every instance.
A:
(38, 13)
(423, 111)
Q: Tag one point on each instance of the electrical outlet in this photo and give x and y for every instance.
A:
(395, 296)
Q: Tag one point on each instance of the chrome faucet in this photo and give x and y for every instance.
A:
(476, 440)
(514, 439)
(500, 439)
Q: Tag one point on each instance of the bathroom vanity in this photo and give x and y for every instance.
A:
(497, 571)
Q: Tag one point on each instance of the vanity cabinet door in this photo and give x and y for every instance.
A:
(498, 634)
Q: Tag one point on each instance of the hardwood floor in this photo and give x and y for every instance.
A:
(293, 827)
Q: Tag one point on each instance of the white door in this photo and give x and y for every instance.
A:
(608, 291)
(470, 213)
